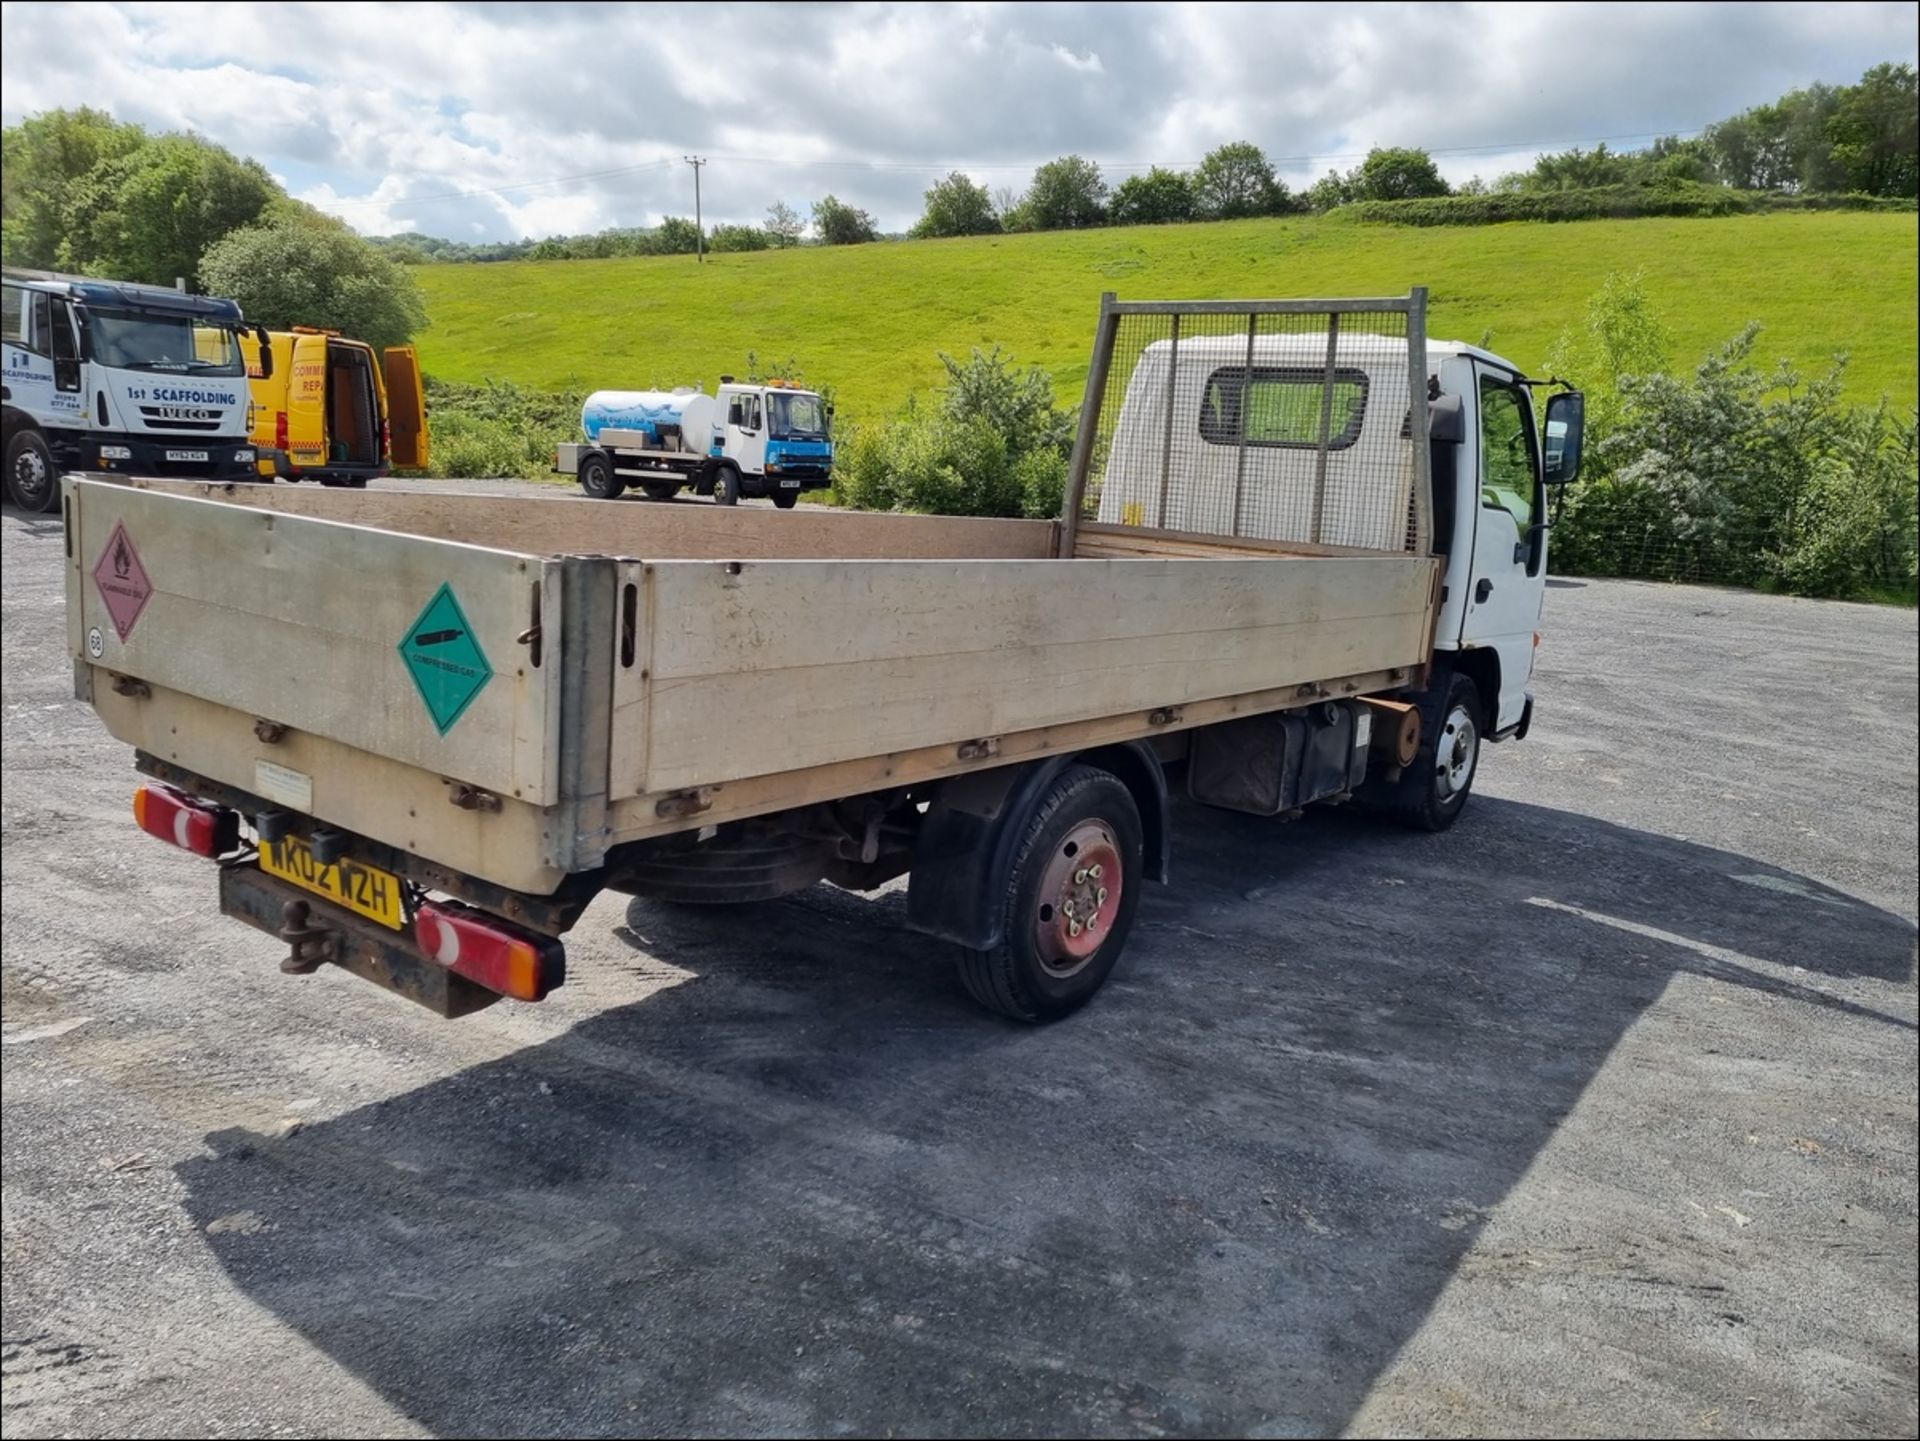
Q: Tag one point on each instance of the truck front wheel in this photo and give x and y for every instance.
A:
(726, 486)
(1430, 794)
(1071, 893)
(31, 482)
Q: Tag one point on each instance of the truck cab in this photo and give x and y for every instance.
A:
(1235, 449)
(109, 375)
(774, 438)
(329, 409)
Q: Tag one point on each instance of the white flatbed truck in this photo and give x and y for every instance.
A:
(1300, 561)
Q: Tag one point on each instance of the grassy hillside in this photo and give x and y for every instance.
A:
(868, 319)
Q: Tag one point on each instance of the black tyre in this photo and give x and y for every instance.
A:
(344, 482)
(660, 489)
(1069, 902)
(726, 486)
(32, 482)
(1432, 792)
(598, 480)
(786, 499)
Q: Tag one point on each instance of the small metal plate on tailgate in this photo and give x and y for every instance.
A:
(363, 889)
(283, 785)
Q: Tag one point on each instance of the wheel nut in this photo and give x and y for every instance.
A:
(1080, 877)
(1094, 871)
(1073, 928)
(1067, 907)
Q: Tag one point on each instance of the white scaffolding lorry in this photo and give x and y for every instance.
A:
(107, 375)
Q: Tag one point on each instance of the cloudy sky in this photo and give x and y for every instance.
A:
(496, 121)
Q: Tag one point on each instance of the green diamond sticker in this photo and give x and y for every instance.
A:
(445, 660)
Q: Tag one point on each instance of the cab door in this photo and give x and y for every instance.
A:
(406, 408)
(745, 439)
(1508, 576)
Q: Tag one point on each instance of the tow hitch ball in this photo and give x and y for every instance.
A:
(311, 946)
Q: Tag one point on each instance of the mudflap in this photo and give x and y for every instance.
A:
(319, 932)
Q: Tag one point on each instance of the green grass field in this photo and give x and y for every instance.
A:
(868, 319)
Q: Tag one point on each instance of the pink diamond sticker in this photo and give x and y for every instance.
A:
(122, 580)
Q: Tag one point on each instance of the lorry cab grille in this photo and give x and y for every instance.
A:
(181, 418)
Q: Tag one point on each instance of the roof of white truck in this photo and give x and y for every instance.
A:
(1311, 347)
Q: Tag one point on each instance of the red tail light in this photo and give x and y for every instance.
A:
(192, 825)
(386, 439)
(280, 430)
(490, 953)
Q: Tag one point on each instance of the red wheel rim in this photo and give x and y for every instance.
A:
(1079, 897)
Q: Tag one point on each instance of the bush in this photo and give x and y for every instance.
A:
(498, 429)
(1605, 202)
(1732, 474)
(838, 223)
(993, 444)
(738, 237)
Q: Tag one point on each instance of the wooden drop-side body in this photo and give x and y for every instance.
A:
(666, 667)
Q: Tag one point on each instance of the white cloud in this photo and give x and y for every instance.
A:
(1088, 64)
(474, 119)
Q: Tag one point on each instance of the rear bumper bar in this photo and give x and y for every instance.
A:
(319, 932)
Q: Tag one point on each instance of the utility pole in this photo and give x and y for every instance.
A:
(699, 233)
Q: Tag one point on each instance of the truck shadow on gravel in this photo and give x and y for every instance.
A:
(806, 1187)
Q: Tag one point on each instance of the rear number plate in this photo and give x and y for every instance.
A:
(363, 889)
(194, 455)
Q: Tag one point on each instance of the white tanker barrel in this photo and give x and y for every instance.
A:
(650, 412)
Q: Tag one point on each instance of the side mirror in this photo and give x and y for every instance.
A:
(1566, 427)
(265, 343)
(1446, 419)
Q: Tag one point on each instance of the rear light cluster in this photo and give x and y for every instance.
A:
(179, 819)
(280, 430)
(489, 953)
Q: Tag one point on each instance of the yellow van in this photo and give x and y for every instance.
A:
(332, 411)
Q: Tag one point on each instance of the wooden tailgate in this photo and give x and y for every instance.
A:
(399, 645)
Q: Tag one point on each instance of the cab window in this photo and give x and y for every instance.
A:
(13, 315)
(1509, 476)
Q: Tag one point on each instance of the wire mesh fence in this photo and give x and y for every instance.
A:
(1289, 421)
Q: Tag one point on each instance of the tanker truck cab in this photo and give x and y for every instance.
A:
(330, 409)
(108, 375)
(775, 439)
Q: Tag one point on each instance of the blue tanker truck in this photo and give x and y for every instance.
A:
(764, 438)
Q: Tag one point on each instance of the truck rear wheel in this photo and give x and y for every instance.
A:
(786, 499)
(31, 481)
(726, 486)
(1069, 903)
(660, 489)
(598, 480)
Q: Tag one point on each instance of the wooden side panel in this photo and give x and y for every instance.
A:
(567, 523)
(776, 666)
(300, 621)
